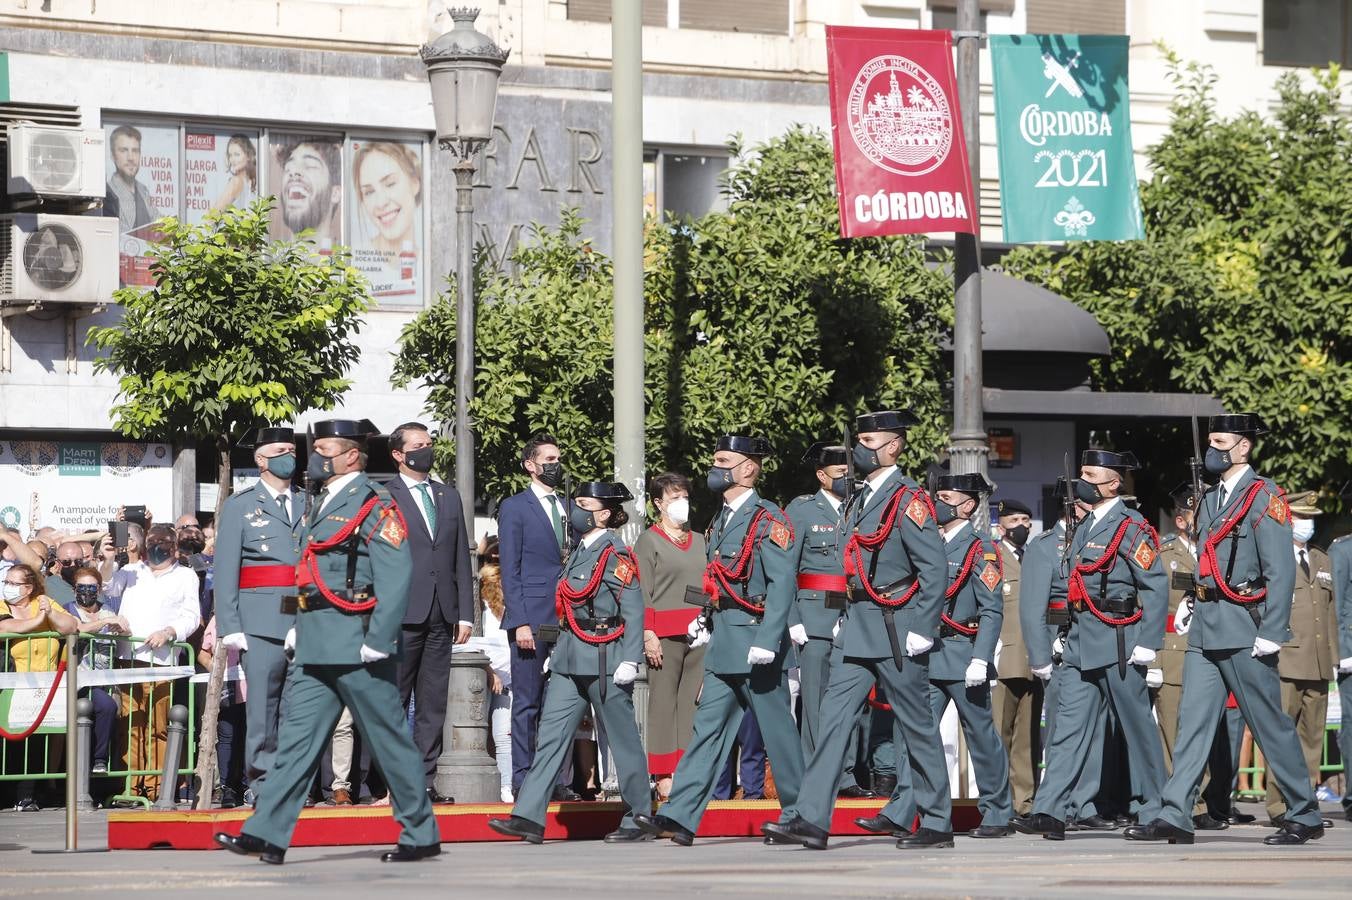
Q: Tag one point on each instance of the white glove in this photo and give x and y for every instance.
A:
(999, 645)
(698, 634)
(916, 645)
(236, 641)
(1154, 677)
(1043, 672)
(798, 634)
(544, 669)
(1058, 646)
(1345, 665)
(976, 673)
(1141, 656)
(290, 642)
(369, 656)
(835, 629)
(757, 656)
(1182, 619)
(1264, 647)
(625, 673)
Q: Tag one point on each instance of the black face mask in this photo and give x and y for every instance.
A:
(421, 460)
(946, 512)
(865, 460)
(1088, 492)
(719, 478)
(551, 474)
(191, 544)
(68, 567)
(319, 468)
(1018, 535)
(159, 554)
(843, 486)
(87, 594)
(1217, 462)
(581, 520)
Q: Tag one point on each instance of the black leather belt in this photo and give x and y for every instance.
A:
(600, 624)
(1212, 595)
(726, 604)
(946, 630)
(860, 594)
(292, 603)
(1058, 615)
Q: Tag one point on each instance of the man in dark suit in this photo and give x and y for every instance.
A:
(532, 541)
(441, 595)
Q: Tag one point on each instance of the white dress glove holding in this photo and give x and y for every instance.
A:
(1345, 665)
(915, 644)
(1154, 677)
(1043, 672)
(236, 641)
(835, 629)
(976, 673)
(1141, 656)
(758, 656)
(369, 656)
(289, 643)
(1264, 647)
(798, 634)
(1059, 646)
(1182, 619)
(698, 634)
(625, 673)
(999, 645)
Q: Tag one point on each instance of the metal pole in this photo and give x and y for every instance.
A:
(464, 329)
(967, 450)
(73, 761)
(84, 725)
(626, 29)
(173, 754)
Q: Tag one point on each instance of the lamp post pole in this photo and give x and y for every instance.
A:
(464, 329)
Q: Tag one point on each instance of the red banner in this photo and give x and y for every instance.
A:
(901, 160)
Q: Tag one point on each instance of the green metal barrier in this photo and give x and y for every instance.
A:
(1257, 784)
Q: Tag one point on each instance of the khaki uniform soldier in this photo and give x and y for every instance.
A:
(1018, 695)
(1309, 659)
(1180, 563)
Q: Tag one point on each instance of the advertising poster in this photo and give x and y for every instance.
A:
(77, 486)
(144, 182)
(305, 174)
(385, 216)
(220, 171)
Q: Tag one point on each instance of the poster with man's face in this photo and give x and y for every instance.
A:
(144, 184)
(220, 170)
(305, 174)
(385, 216)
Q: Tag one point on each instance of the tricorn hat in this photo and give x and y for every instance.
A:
(1183, 497)
(885, 420)
(1012, 507)
(268, 434)
(1109, 459)
(823, 454)
(351, 429)
(609, 491)
(966, 483)
(745, 445)
(1237, 423)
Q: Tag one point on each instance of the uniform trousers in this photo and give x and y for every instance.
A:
(990, 764)
(1017, 704)
(1345, 738)
(265, 670)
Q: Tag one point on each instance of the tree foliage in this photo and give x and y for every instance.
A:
(1242, 286)
(759, 318)
(237, 331)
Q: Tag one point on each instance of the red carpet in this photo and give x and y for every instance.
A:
(335, 826)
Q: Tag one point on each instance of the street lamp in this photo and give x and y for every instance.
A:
(463, 67)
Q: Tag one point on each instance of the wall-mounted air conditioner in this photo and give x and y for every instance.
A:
(47, 161)
(57, 259)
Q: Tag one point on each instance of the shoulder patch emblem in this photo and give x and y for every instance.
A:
(624, 573)
(916, 512)
(990, 576)
(991, 557)
(1278, 509)
(780, 534)
(391, 531)
(1144, 555)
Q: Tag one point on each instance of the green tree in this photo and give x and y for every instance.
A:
(1242, 285)
(760, 317)
(237, 330)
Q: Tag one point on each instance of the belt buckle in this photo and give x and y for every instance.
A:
(303, 602)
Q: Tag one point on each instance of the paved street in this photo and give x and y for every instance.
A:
(1226, 864)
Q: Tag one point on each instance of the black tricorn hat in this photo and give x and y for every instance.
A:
(1237, 423)
(609, 491)
(823, 454)
(966, 483)
(351, 429)
(1183, 497)
(885, 420)
(268, 434)
(745, 445)
(1109, 459)
(1011, 507)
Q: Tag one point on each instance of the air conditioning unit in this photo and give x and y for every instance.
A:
(57, 259)
(48, 161)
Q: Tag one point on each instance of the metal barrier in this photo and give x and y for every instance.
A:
(1257, 789)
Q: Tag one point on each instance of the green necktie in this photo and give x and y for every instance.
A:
(863, 501)
(425, 495)
(557, 518)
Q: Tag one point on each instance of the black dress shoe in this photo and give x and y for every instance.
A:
(1158, 830)
(881, 824)
(661, 826)
(1238, 818)
(1294, 833)
(405, 853)
(1122, 820)
(628, 836)
(248, 845)
(1204, 822)
(1092, 823)
(1051, 828)
(991, 831)
(797, 831)
(855, 792)
(564, 794)
(925, 839)
(772, 840)
(884, 785)
(438, 798)
(518, 827)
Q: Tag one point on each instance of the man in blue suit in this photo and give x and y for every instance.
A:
(532, 541)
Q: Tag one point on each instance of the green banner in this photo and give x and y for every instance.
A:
(1063, 123)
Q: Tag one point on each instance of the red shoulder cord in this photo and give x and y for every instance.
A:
(307, 557)
(718, 577)
(858, 543)
(1210, 565)
(1078, 593)
(567, 599)
(952, 591)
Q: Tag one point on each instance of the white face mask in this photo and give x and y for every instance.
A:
(678, 510)
(1302, 529)
(13, 591)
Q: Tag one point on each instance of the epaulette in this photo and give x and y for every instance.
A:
(1336, 541)
(1168, 543)
(774, 509)
(801, 498)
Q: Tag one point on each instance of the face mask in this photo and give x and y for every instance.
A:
(865, 460)
(68, 568)
(678, 510)
(1302, 529)
(192, 544)
(1087, 491)
(283, 465)
(946, 512)
(1018, 535)
(421, 460)
(159, 554)
(581, 520)
(1217, 462)
(719, 479)
(551, 474)
(13, 591)
(320, 468)
(843, 486)
(87, 594)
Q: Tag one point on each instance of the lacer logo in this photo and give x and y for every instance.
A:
(899, 116)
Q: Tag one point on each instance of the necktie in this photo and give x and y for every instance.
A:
(723, 519)
(863, 502)
(1018, 553)
(1305, 564)
(284, 502)
(557, 519)
(318, 505)
(429, 509)
(1221, 498)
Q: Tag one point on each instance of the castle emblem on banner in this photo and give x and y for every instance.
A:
(899, 116)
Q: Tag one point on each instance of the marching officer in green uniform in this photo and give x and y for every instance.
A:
(1340, 556)
(1117, 594)
(895, 563)
(257, 548)
(1241, 617)
(1017, 696)
(594, 663)
(969, 627)
(353, 580)
(749, 588)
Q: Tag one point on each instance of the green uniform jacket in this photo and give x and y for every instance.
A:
(1263, 550)
(1309, 655)
(618, 595)
(1137, 572)
(330, 636)
(913, 549)
(1340, 554)
(818, 542)
(251, 530)
(1043, 581)
(1013, 653)
(773, 577)
(979, 598)
(1180, 566)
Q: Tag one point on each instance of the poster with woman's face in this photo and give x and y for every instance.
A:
(385, 216)
(220, 170)
(305, 174)
(143, 187)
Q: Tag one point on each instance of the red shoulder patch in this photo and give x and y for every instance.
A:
(990, 576)
(1278, 509)
(781, 535)
(391, 529)
(1145, 555)
(917, 512)
(624, 573)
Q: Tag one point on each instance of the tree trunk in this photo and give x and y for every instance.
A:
(206, 747)
(223, 480)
